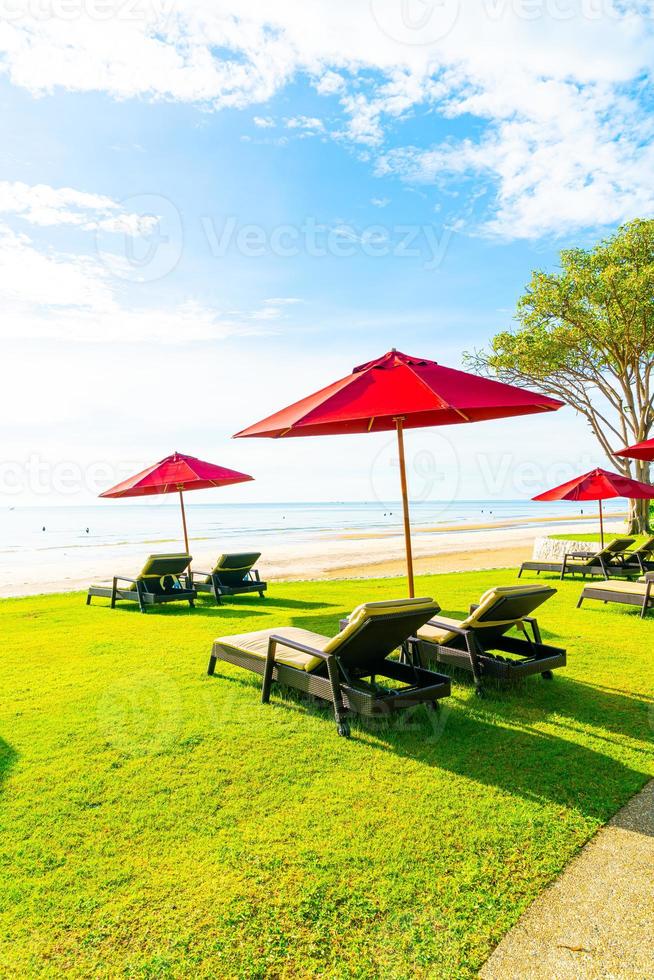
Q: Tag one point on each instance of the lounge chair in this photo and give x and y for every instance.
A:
(160, 580)
(640, 593)
(467, 643)
(642, 557)
(611, 560)
(231, 575)
(343, 670)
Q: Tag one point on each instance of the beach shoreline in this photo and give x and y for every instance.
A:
(322, 555)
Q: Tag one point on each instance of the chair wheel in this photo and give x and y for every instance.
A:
(433, 706)
(547, 675)
(480, 692)
(343, 729)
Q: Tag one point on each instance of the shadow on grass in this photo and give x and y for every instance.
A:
(257, 604)
(535, 765)
(8, 757)
(235, 606)
(497, 742)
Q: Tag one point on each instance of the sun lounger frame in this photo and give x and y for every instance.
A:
(140, 592)
(468, 652)
(645, 602)
(213, 582)
(340, 683)
(617, 565)
(252, 582)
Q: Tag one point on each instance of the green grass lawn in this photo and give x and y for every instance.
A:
(157, 822)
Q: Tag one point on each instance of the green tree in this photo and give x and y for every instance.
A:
(586, 335)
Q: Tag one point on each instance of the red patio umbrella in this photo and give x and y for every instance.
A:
(174, 474)
(598, 485)
(400, 392)
(640, 450)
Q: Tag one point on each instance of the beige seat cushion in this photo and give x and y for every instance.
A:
(492, 597)
(633, 588)
(439, 634)
(256, 644)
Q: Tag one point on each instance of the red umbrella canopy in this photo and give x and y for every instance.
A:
(398, 391)
(640, 450)
(598, 485)
(176, 472)
(419, 391)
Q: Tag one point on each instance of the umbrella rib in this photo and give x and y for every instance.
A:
(442, 400)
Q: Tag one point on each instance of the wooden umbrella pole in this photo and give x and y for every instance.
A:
(601, 525)
(181, 501)
(405, 506)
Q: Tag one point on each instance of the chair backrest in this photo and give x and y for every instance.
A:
(506, 605)
(644, 549)
(160, 572)
(375, 629)
(615, 547)
(232, 569)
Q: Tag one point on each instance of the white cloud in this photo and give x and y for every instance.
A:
(380, 202)
(43, 205)
(30, 279)
(330, 83)
(53, 296)
(561, 135)
(263, 122)
(308, 124)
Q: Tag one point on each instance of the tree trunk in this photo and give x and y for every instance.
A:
(638, 519)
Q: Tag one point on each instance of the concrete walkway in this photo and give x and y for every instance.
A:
(597, 919)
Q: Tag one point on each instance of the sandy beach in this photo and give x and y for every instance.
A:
(331, 555)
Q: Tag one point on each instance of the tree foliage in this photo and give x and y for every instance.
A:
(586, 336)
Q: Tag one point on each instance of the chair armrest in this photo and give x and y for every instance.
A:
(196, 572)
(461, 630)
(275, 640)
(123, 578)
(580, 554)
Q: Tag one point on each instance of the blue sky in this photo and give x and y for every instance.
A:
(209, 210)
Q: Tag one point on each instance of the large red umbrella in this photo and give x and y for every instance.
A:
(397, 392)
(174, 474)
(598, 485)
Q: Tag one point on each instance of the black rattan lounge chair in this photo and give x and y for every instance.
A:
(640, 593)
(231, 575)
(610, 561)
(343, 670)
(642, 557)
(159, 581)
(468, 643)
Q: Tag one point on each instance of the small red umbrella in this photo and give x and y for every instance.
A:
(640, 450)
(174, 474)
(397, 391)
(598, 485)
